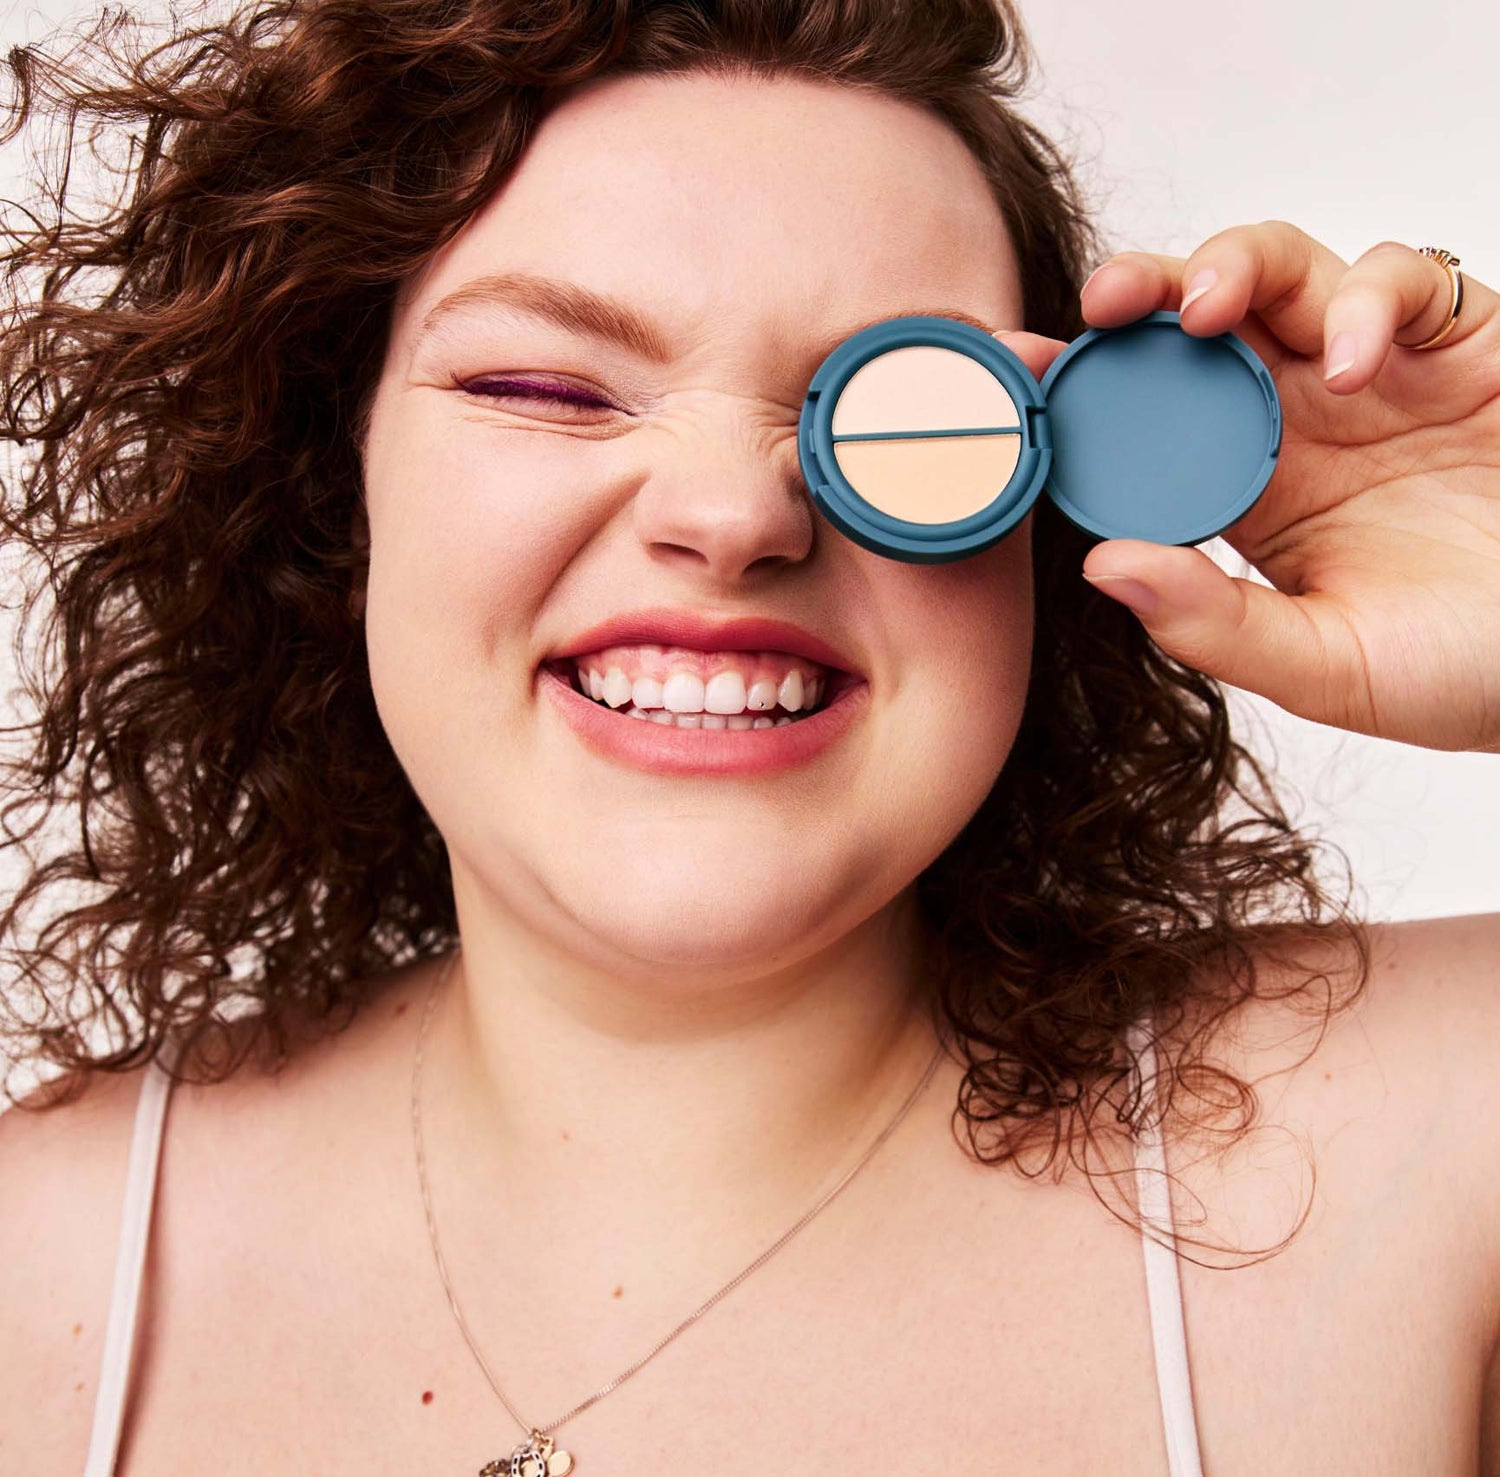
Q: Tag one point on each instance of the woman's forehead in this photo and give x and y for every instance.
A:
(706, 202)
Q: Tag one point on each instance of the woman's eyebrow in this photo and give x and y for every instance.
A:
(581, 310)
(567, 304)
(825, 349)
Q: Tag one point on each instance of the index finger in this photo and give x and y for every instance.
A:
(1034, 350)
(1273, 269)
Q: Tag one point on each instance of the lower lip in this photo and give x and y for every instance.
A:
(716, 751)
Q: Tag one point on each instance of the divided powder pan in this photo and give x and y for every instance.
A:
(925, 439)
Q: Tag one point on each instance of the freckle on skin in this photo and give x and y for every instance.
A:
(568, 1137)
(77, 1329)
(401, 1009)
(426, 1397)
(619, 1292)
(78, 1387)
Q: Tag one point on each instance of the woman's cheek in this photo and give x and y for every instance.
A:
(463, 550)
(471, 525)
(953, 699)
(982, 608)
(993, 674)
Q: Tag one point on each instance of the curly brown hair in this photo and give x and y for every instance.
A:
(186, 373)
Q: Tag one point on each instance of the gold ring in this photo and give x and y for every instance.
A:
(1449, 263)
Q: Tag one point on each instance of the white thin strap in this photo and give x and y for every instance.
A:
(130, 1263)
(1163, 1286)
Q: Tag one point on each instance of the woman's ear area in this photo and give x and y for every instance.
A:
(359, 547)
(359, 520)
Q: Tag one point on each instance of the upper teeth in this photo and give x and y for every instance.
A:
(726, 691)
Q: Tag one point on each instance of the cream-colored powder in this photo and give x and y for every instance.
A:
(922, 388)
(935, 479)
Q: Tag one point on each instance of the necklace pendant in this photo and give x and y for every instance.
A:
(536, 1456)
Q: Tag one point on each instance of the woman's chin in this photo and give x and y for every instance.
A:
(700, 938)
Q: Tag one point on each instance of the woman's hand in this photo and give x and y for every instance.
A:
(1380, 530)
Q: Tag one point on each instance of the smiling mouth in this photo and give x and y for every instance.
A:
(727, 691)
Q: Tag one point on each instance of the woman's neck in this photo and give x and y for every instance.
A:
(733, 1087)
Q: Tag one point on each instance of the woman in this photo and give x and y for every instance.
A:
(454, 348)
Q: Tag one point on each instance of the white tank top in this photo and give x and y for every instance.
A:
(1163, 1288)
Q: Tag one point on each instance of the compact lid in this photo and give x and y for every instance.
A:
(1157, 434)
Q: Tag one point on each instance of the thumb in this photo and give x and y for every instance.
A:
(1233, 629)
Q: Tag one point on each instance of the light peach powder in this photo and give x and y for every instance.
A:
(922, 388)
(934, 479)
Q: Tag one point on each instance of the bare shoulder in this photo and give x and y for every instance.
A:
(1401, 1084)
(1434, 1015)
(1434, 993)
(62, 1184)
(1380, 1119)
(1419, 1044)
(1411, 1076)
(63, 1174)
(1425, 1023)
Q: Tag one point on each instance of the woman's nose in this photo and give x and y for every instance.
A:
(726, 506)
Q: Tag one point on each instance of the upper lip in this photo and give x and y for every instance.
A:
(689, 628)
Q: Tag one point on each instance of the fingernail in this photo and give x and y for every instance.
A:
(1132, 594)
(1202, 282)
(1343, 353)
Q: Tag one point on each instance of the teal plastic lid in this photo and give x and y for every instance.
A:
(1157, 434)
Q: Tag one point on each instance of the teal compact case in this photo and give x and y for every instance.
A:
(925, 439)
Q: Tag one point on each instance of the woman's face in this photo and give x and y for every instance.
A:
(741, 228)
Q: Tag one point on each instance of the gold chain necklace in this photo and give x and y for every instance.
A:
(538, 1455)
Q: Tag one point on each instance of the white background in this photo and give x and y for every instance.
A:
(1358, 122)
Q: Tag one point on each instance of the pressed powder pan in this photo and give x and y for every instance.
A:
(925, 439)
(887, 440)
